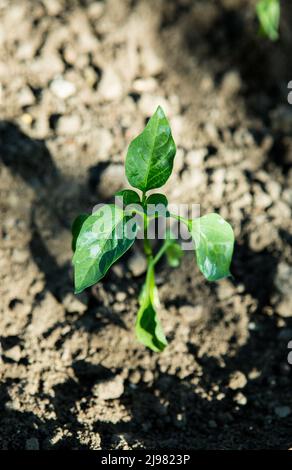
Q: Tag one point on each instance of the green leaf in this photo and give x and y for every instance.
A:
(148, 328)
(129, 197)
(150, 156)
(214, 240)
(76, 227)
(268, 12)
(157, 198)
(104, 237)
(156, 204)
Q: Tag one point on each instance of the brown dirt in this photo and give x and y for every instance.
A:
(72, 373)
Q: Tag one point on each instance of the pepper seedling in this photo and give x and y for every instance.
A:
(102, 238)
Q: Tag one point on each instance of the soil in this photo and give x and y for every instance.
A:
(78, 80)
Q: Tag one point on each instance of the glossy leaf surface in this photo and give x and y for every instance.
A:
(150, 156)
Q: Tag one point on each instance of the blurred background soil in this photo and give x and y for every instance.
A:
(78, 80)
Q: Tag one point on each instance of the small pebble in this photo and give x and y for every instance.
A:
(144, 85)
(118, 270)
(118, 307)
(121, 296)
(110, 87)
(27, 119)
(14, 353)
(237, 380)
(220, 396)
(19, 256)
(135, 377)
(137, 264)
(231, 83)
(196, 157)
(110, 389)
(26, 97)
(62, 89)
(190, 313)
(254, 374)
(69, 125)
(148, 376)
(72, 304)
(240, 399)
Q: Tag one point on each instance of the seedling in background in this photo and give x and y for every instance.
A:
(268, 12)
(102, 238)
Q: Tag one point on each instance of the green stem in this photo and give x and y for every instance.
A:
(144, 197)
(179, 218)
(151, 259)
(160, 252)
(147, 245)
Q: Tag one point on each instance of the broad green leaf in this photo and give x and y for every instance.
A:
(268, 12)
(157, 198)
(76, 227)
(129, 197)
(104, 237)
(150, 156)
(148, 328)
(214, 240)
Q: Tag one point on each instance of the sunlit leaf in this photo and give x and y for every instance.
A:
(214, 241)
(104, 237)
(150, 156)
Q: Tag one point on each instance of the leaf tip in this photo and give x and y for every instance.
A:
(160, 111)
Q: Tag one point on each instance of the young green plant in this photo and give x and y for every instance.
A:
(102, 238)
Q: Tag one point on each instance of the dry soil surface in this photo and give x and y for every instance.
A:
(78, 80)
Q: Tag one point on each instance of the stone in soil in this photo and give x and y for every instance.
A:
(191, 314)
(240, 399)
(137, 264)
(62, 88)
(121, 296)
(69, 125)
(109, 390)
(72, 304)
(237, 380)
(26, 97)
(110, 87)
(112, 179)
(14, 353)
